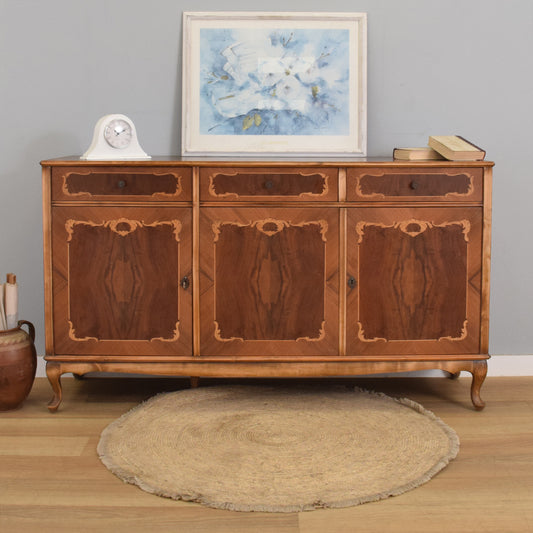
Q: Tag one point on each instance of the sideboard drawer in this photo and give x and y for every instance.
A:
(268, 184)
(414, 184)
(121, 184)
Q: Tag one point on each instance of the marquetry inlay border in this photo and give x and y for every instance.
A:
(362, 338)
(155, 195)
(113, 225)
(406, 226)
(279, 225)
(360, 193)
(212, 192)
(72, 336)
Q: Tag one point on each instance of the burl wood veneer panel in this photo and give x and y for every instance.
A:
(272, 268)
(270, 281)
(117, 279)
(418, 276)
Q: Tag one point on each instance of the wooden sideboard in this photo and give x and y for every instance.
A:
(266, 268)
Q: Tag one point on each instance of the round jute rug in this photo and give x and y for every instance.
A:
(278, 449)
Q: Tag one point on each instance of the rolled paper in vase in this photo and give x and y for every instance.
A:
(11, 301)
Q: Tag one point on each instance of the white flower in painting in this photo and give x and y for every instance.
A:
(299, 65)
(270, 70)
(293, 93)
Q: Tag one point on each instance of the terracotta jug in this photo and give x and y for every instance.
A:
(18, 363)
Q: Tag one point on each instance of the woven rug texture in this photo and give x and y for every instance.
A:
(277, 448)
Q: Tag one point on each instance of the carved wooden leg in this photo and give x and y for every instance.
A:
(53, 372)
(479, 372)
(195, 381)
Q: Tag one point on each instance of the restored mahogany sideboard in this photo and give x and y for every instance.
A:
(266, 268)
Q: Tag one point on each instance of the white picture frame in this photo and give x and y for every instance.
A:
(285, 84)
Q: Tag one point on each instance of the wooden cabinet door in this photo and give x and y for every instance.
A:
(116, 276)
(414, 281)
(269, 281)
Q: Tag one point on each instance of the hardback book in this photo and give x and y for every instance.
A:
(455, 148)
(416, 154)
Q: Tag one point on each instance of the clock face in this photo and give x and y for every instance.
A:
(118, 133)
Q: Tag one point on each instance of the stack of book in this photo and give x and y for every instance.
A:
(451, 147)
(9, 303)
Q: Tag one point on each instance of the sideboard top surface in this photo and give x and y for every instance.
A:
(263, 162)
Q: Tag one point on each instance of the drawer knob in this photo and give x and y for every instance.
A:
(351, 282)
(414, 185)
(121, 184)
(269, 184)
(185, 283)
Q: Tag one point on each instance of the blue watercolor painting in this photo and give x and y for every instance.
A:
(274, 81)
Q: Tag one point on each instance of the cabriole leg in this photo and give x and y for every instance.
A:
(479, 372)
(53, 372)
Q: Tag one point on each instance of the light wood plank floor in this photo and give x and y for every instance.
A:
(52, 480)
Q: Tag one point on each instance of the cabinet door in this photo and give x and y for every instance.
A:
(116, 281)
(414, 281)
(269, 281)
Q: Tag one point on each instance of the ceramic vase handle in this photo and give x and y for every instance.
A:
(31, 328)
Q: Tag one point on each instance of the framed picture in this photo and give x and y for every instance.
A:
(274, 84)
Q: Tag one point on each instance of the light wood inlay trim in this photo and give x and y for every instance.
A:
(211, 187)
(462, 337)
(342, 185)
(72, 334)
(287, 203)
(64, 186)
(321, 335)
(47, 254)
(259, 359)
(219, 337)
(88, 195)
(171, 339)
(362, 338)
(343, 221)
(403, 226)
(485, 279)
(196, 259)
(361, 194)
(113, 226)
(280, 225)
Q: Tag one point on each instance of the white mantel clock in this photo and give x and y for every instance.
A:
(115, 137)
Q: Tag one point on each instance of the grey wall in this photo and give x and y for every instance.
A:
(460, 66)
